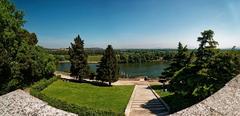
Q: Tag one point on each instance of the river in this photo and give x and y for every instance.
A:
(144, 69)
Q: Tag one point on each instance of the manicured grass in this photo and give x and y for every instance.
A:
(113, 98)
(176, 102)
(94, 58)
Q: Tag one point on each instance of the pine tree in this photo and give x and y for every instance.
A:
(78, 58)
(180, 60)
(108, 68)
(207, 48)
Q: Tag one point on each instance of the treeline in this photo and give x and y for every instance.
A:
(22, 62)
(123, 55)
(62, 53)
(142, 56)
(202, 72)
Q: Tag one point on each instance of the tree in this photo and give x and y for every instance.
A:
(194, 79)
(205, 55)
(78, 58)
(108, 69)
(30, 38)
(207, 48)
(180, 60)
(21, 61)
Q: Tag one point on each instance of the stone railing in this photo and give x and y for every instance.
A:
(224, 102)
(20, 103)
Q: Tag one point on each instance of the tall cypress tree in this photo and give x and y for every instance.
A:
(78, 58)
(108, 69)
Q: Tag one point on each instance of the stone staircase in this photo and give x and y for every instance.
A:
(145, 103)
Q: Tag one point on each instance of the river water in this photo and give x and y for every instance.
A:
(143, 69)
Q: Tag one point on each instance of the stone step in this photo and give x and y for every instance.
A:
(153, 103)
(148, 106)
(159, 110)
(146, 101)
(148, 113)
(162, 108)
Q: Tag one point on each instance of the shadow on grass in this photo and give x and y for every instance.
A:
(176, 102)
(96, 83)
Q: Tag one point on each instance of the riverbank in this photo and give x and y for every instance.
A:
(89, 62)
(121, 81)
(97, 62)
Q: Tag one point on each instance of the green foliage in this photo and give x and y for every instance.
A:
(206, 70)
(42, 84)
(176, 102)
(78, 58)
(142, 56)
(206, 50)
(37, 91)
(180, 60)
(30, 38)
(92, 75)
(108, 69)
(21, 61)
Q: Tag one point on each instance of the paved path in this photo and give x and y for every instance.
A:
(20, 103)
(144, 103)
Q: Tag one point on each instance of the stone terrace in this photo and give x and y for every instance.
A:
(20, 103)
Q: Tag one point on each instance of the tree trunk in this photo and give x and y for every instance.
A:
(110, 83)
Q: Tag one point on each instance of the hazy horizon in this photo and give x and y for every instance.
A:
(154, 24)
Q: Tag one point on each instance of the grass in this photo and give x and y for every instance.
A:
(94, 58)
(176, 102)
(113, 98)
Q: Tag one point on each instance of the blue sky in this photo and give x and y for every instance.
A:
(131, 23)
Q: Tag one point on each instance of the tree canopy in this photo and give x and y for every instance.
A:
(205, 71)
(179, 61)
(21, 60)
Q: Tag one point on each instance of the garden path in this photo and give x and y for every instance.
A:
(145, 102)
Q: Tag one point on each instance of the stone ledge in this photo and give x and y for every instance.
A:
(21, 103)
(224, 102)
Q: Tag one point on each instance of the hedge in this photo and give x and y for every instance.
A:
(37, 87)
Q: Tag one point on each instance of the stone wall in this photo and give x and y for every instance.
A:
(225, 102)
(20, 103)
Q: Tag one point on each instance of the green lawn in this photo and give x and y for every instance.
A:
(176, 102)
(113, 98)
(94, 58)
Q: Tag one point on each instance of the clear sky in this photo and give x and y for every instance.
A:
(131, 23)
